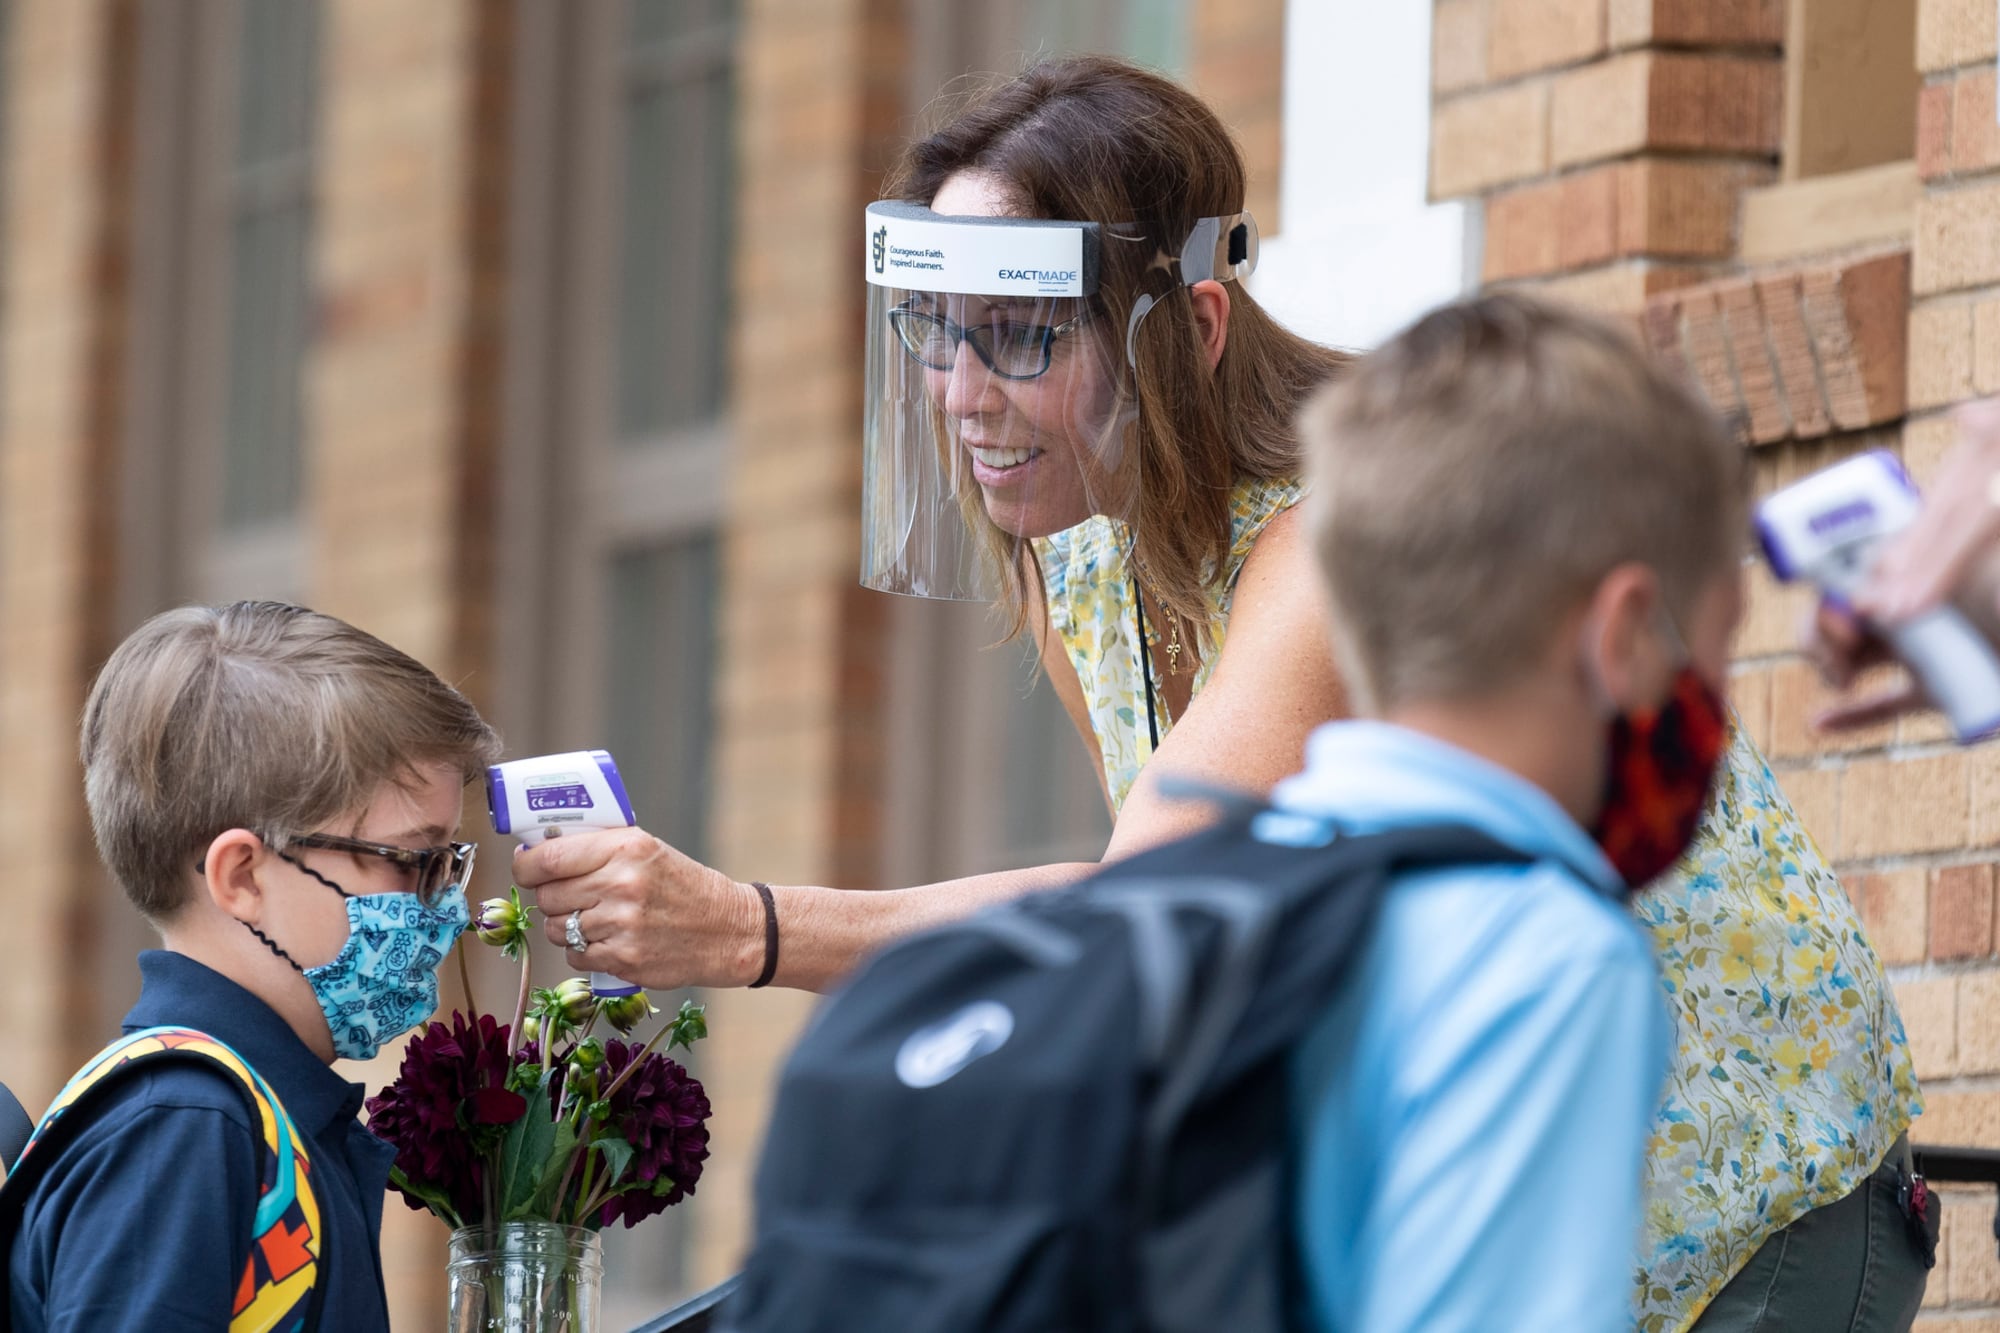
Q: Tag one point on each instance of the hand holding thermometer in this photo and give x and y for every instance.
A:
(534, 799)
(1829, 529)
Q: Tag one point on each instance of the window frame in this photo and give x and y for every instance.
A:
(184, 207)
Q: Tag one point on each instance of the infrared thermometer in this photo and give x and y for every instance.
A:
(1829, 528)
(552, 794)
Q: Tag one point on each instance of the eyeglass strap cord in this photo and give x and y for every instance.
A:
(1146, 667)
(287, 856)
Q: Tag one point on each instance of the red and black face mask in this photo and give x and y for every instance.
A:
(1658, 772)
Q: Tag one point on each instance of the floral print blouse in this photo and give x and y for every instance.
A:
(1087, 573)
(1790, 1076)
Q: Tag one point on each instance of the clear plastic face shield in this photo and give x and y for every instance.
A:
(998, 401)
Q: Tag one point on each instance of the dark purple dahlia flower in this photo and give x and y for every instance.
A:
(445, 1087)
(662, 1112)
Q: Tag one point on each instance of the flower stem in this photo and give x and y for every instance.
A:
(465, 979)
(584, 1188)
(520, 1007)
(633, 1068)
(605, 1193)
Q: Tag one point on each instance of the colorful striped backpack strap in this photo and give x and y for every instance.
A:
(278, 1292)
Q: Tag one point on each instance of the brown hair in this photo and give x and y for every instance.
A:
(256, 715)
(1095, 139)
(1479, 475)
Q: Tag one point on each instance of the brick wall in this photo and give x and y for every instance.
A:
(1607, 140)
(63, 136)
(1237, 54)
(1611, 144)
(1931, 899)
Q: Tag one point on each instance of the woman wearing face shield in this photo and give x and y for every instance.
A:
(1076, 411)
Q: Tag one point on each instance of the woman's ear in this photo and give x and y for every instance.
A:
(229, 873)
(1211, 317)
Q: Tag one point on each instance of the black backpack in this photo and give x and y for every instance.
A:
(1070, 1113)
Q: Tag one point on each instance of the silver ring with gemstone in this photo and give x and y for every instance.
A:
(573, 932)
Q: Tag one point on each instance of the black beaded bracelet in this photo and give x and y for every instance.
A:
(770, 935)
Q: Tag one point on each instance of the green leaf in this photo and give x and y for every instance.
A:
(690, 1025)
(524, 1154)
(541, 1204)
(617, 1157)
(431, 1196)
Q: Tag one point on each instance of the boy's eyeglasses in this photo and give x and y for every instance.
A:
(1011, 351)
(433, 869)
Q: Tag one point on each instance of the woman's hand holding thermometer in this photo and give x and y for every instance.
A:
(543, 797)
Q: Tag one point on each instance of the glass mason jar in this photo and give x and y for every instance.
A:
(526, 1277)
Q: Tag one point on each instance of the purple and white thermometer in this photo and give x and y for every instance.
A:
(1828, 529)
(552, 794)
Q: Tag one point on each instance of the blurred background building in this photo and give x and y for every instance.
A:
(525, 333)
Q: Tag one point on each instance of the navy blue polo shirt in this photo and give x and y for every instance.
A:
(144, 1219)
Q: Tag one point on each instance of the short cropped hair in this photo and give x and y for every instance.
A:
(1476, 478)
(255, 715)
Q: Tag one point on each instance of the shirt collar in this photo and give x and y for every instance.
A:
(1373, 775)
(177, 991)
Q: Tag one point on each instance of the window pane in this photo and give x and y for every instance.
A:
(274, 80)
(267, 334)
(660, 668)
(1156, 33)
(270, 231)
(657, 21)
(1052, 808)
(673, 283)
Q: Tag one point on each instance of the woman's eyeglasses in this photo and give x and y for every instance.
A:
(1010, 350)
(433, 870)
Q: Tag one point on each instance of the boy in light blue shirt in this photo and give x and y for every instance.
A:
(1530, 535)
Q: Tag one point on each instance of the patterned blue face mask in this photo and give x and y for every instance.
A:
(383, 982)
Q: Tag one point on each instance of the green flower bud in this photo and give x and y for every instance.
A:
(500, 922)
(588, 1056)
(627, 1012)
(574, 997)
(531, 1029)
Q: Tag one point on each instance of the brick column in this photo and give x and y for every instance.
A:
(1931, 806)
(800, 678)
(390, 434)
(1237, 50)
(65, 120)
(1608, 141)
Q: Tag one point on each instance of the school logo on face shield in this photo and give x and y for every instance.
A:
(931, 1055)
(881, 248)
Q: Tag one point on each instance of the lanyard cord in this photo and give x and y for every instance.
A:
(1146, 666)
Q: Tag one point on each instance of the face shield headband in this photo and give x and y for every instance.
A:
(998, 397)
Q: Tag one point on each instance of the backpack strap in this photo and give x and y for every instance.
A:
(279, 1291)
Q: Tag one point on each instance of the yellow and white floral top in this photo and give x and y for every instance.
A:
(1790, 1077)
(1087, 574)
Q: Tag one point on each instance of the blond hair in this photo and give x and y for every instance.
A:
(256, 715)
(1093, 138)
(1475, 479)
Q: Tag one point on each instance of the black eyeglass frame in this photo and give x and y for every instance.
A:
(457, 859)
(904, 316)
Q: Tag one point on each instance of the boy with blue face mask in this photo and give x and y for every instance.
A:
(279, 793)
